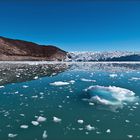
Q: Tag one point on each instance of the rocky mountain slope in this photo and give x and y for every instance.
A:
(11, 49)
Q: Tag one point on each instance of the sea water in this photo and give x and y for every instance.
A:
(65, 101)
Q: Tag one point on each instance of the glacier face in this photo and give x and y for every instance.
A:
(102, 56)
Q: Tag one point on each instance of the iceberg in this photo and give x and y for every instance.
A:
(111, 96)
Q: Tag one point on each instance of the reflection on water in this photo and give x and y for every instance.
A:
(12, 73)
(69, 101)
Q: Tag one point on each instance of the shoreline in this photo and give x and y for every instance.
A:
(63, 62)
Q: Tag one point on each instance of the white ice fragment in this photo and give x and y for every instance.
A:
(130, 136)
(36, 96)
(81, 129)
(90, 103)
(36, 77)
(59, 83)
(127, 121)
(135, 78)
(55, 119)
(60, 106)
(80, 121)
(89, 127)
(1, 86)
(44, 136)
(108, 131)
(113, 75)
(72, 81)
(137, 103)
(41, 119)
(25, 86)
(22, 115)
(24, 126)
(10, 135)
(35, 123)
(87, 80)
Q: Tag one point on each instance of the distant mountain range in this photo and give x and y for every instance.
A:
(103, 56)
(19, 50)
(11, 49)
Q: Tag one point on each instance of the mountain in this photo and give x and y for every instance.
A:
(11, 49)
(103, 56)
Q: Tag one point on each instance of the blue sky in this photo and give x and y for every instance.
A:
(74, 25)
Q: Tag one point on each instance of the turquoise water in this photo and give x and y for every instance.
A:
(32, 91)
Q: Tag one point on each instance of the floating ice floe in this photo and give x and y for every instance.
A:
(10, 135)
(44, 135)
(90, 128)
(127, 121)
(114, 97)
(55, 119)
(80, 121)
(35, 123)
(24, 126)
(72, 81)
(108, 131)
(59, 83)
(36, 77)
(41, 119)
(130, 136)
(113, 75)
(25, 86)
(1, 86)
(87, 80)
(135, 78)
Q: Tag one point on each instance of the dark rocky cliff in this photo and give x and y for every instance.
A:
(11, 49)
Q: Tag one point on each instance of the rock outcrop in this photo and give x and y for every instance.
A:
(19, 50)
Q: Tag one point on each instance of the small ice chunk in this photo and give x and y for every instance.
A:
(36, 96)
(87, 80)
(36, 77)
(55, 119)
(72, 81)
(137, 103)
(89, 127)
(108, 131)
(35, 123)
(60, 106)
(80, 121)
(135, 78)
(44, 136)
(90, 103)
(24, 126)
(10, 135)
(22, 115)
(81, 129)
(59, 83)
(1, 86)
(127, 121)
(25, 86)
(113, 75)
(130, 136)
(41, 119)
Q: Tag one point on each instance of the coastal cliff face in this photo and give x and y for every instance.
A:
(18, 50)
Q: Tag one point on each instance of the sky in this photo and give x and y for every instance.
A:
(73, 25)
